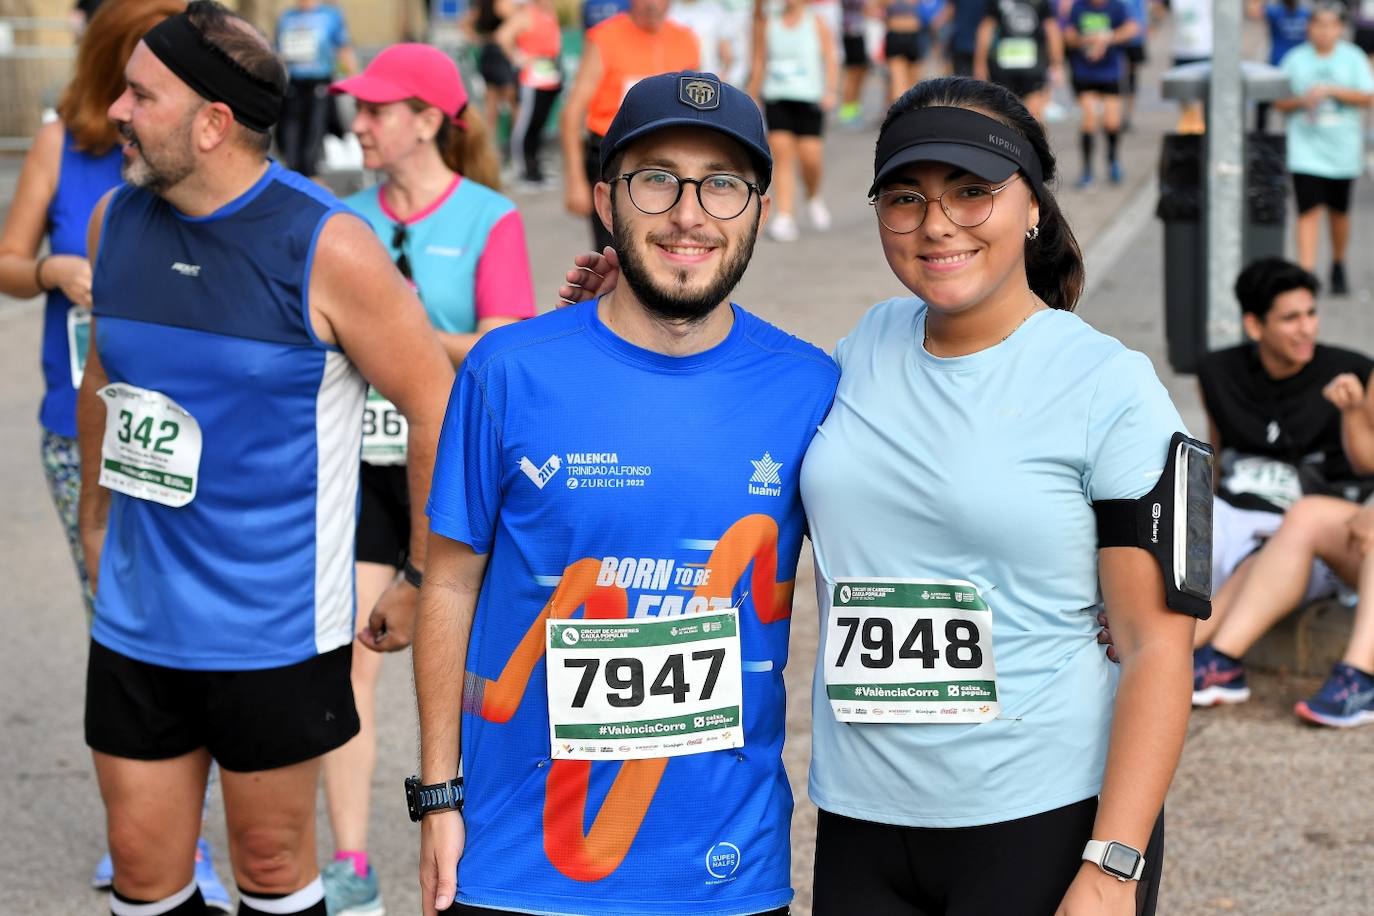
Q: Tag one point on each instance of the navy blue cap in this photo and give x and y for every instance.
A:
(689, 99)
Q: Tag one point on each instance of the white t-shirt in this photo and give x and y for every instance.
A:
(707, 19)
(981, 468)
(1192, 28)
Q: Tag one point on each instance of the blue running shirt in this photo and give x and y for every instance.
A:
(981, 468)
(256, 571)
(610, 481)
(84, 179)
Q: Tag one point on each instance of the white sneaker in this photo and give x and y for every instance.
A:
(819, 214)
(783, 228)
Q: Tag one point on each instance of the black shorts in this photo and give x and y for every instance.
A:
(882, 870)
(1314, 191)
(248, 720)
(962, 62)
(495, 66)
(383, 515)
(1135, 54)
(908, 45)
(1364, 39)
(805, 119)
(855, 51)
(1021, 82)
(1082, 86)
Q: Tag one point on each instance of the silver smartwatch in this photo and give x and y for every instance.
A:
(1122, 862)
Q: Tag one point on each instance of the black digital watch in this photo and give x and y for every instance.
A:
(441, 796)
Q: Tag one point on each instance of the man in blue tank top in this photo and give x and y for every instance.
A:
(237, 310)
(616, 527)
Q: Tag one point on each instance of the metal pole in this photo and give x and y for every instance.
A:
(1226, 175)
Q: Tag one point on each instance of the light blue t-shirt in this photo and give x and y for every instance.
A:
(309, 40)
(981, 468)
(1327, 142)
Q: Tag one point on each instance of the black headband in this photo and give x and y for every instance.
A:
(255, 102)
(981, 145)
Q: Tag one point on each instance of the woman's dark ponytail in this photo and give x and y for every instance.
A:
(1054, 262)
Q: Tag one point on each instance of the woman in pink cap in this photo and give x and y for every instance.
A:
(462, 246)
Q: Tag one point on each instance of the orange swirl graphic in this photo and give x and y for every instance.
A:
(596, 853)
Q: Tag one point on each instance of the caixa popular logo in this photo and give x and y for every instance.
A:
(722, 860)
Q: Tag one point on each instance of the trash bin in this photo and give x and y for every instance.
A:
(1183, 201)
(1182, 195)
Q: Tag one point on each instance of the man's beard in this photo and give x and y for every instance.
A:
(158, 173)
(677, 303)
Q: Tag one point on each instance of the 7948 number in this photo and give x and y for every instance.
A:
(876, 637)
(625, 677)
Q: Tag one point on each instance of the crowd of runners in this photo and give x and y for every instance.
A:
(288, 433)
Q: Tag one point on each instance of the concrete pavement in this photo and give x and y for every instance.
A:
(1266, 816)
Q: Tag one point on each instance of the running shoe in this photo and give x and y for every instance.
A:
(1345, 700)
(818, 213)
(1085, 181)
(1217, 679)
(103, 879)
(216, 897)
(783, 228)
(1338, 287)
(850, 112)
(1114, 174)
(346, 894)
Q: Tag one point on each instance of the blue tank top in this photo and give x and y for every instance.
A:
(83, 180)
(257, 570)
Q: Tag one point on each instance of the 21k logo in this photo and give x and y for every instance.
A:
(542, 474)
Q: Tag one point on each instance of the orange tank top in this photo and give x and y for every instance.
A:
(628, 54)
(540, 42)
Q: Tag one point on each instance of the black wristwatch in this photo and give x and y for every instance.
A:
(441, 796)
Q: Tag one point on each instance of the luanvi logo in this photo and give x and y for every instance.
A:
(186, 270)
(765, 481)
(542, 474)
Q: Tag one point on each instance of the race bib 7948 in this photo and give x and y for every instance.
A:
(909, 650)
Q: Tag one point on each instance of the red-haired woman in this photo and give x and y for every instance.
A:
(72, 163)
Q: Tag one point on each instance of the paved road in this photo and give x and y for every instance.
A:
(1266, 816)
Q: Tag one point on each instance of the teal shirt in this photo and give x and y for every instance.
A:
(1327, 142)
(982, 468)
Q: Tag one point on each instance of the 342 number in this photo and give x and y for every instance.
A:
(142, 432)
(878, 641)
(625, 677)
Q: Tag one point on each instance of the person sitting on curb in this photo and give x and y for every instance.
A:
(1319, 543)
(1277, 433)
(1319, 529)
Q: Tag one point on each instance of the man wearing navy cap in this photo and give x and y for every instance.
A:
(615, 533)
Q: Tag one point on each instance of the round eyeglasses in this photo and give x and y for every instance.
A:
(902, 210)
(721, 195)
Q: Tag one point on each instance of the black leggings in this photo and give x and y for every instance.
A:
(527, 136)
(300, 132)
(1015, 868)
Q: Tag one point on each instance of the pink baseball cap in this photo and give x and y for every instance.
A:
(409, 71)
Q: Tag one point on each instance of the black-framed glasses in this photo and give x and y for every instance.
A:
(902, 210)
(721, 195)
(399, 237)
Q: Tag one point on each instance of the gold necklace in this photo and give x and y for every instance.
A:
(925, 341)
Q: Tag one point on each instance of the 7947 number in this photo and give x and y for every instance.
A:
(625, 677)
